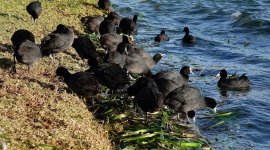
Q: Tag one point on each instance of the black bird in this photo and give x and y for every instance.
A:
(188, 39)
(188, 98)
(147, 95)
(135, 64)
(149, 60)
(58, 41)
(115, 57)
(84, 84)
(85, 47)
(91, 23)
(25, 49)
(161, 37)
(34, 9)
(107, 26)
(233, 82)
(20, 36)
(110, 41)
(109, 75)
(170, 80)
(104, 4)
(125, 46)
(113, 16)
(129, 26)
(141, 83)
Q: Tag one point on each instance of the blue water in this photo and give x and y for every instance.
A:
(230, 34)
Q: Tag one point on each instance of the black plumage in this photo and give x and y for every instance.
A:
(188, 98)
(161, 37)
(141, 83)
(85, 47)
(110, 41)
(113, 16)
(109, 75)
(20, 36)
(25, 49)
(83, 84)
(107, 26)
(147, 95)
(134, 63)
(129, 26)
(233, 82)
(188, 39)
(125, 46)
(34, 9)
(115, 57)
(104, 4)
(58, 41)
(91, 23)
(149, 60)
(170, 80)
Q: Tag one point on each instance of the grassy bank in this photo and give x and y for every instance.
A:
(36, 112)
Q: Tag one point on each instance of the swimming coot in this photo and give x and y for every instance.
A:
(161, 37)
(233, 82)
(188, 39)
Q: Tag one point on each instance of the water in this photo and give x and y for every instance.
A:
(230, 34)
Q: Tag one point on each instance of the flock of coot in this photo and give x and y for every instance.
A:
(123, 59)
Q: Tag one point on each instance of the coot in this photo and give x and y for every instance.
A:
(83, 84)
(233, 82)
(34, 9)
(188, 39)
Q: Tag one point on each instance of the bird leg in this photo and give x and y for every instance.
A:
(14, 67)
(28, 68)
(146, 118)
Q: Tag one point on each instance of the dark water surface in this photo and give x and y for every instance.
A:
(230, 34)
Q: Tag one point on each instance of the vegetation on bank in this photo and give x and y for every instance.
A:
(38, 111)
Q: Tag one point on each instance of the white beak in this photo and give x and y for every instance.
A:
(218, 75)
(162, 54)
(191, 120)
(191, 72)
(214, 109)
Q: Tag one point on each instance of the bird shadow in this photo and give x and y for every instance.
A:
(90, 5)
(8, 15)
(74, 56)
(42, 84)
(6, 63)
(6, 48)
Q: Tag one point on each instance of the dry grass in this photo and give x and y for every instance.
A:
(35, 111)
